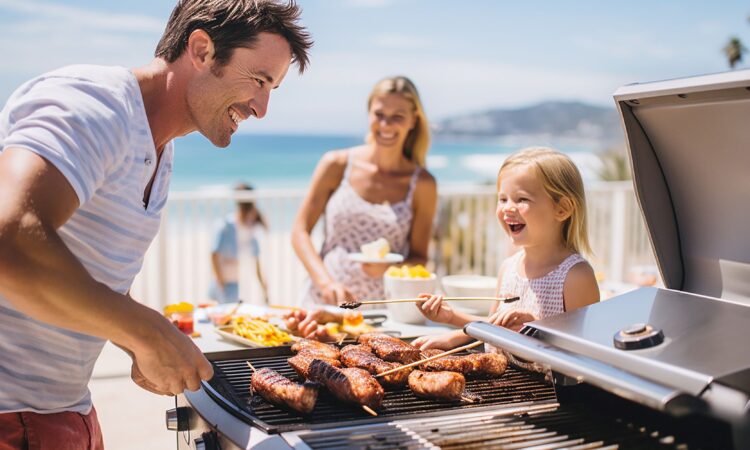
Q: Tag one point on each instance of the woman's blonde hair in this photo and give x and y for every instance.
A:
(418, 140)
(561, 179)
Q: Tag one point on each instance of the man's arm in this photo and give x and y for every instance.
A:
(42, 278)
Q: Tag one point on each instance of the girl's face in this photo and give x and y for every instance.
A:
(525, 211)
(391, 118)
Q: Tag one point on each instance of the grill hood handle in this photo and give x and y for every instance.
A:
(585, 369)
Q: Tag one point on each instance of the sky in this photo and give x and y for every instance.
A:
(464, 57)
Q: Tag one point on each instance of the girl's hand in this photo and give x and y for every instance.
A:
(512, 319)
(444, 341)
(435, 309)
(336, 294)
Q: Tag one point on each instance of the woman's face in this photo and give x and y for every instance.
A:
(391, 118)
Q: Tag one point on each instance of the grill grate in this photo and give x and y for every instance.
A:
(231, 388)
(568, 427)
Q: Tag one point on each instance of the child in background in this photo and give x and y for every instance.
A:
(542, 207)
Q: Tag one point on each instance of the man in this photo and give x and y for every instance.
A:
(85, 160)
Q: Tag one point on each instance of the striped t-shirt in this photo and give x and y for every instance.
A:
(90, 123)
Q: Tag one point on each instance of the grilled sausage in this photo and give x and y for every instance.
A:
(437, 385)
(490, 365)
(351, 385)
(301, 363)
(361, 356)
(319, 348)
(390, 348)
(279, 390)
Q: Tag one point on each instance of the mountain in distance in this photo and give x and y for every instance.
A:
(553, 120)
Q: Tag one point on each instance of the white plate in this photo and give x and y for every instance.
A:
(390, 258)
(226, 332)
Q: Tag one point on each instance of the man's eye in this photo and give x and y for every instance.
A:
(260, 82)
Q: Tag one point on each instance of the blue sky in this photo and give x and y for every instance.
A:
(464, 56)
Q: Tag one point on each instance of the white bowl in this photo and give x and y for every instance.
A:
(470, 286)
(407, 288)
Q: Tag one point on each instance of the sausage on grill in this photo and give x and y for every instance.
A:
(437, 385)
(476, 365)
(279, 390)
(361, 356)
(390, 348)
(350, 385)
(318, 348)
(301, 363)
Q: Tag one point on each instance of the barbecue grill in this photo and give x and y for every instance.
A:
(653, 368)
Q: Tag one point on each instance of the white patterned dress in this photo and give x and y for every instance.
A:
(542, 296)
(351, 221)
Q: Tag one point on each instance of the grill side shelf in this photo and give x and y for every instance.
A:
(231, 389)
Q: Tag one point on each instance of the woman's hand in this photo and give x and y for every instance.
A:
(512, 319)
(444, 341)
(308, 325)
(336, 293)
(375, 270)
(435, 309)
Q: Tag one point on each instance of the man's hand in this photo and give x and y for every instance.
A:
(512, 319)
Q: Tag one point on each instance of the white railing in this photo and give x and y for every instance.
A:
(466, 239)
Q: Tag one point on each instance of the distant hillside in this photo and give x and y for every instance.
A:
(559, 120)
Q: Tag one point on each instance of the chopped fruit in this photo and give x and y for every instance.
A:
(405, 271)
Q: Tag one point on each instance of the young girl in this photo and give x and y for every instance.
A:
(542, 207)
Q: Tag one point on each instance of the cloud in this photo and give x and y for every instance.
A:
(400, 41)
(630, 46)
(86, 18)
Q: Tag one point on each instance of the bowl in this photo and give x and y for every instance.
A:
(470, 286)
(396, 287)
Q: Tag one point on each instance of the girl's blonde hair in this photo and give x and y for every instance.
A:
(418, 140)
(561, 179)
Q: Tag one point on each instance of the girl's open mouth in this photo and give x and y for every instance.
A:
(516, 227)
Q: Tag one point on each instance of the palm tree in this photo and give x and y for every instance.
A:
(734, 51)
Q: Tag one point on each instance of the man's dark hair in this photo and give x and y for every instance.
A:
(232, 24)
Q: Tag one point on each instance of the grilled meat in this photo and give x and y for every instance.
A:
(390, 348)
(361, 356)
(350, 385)
(318, 348)
(279, 390)
(476, 365)
(301, 363)
(437, 385)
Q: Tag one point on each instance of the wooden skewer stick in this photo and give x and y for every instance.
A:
(416, 363)
(467, 399)
(369, 410)
(341, 341)
(353, 305)
(251, 366)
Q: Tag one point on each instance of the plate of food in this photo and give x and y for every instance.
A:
(377, 252)
(254, 332)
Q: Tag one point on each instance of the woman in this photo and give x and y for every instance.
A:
(379, 189)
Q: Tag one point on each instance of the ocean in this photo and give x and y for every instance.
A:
(288, 161)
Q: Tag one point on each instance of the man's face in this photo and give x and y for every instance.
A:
(218, 100)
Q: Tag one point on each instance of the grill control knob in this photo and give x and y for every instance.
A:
(638, 336)
(177, 419)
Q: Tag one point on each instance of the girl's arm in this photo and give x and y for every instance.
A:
(580, 288)
(325, 181)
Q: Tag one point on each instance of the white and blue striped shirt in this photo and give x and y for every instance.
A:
(90, 123)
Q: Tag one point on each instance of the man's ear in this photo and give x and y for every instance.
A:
(564, 209)
(200, 49)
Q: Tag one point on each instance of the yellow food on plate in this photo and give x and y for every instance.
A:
(376, 249)
(418, 271)
(259, 331)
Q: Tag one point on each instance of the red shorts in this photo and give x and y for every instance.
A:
(58, 431)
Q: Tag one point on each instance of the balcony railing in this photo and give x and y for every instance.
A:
(466, 239)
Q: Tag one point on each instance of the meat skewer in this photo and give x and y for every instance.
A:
(301, 363)
(437, 385)
(422, 361)
(351, 385)
(390, 348)
(279, 390)
(361, 356)
(318, 348)
(489, 365)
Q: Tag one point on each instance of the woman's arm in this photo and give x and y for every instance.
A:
(325, 181)
(424, 205)
(580, 288)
